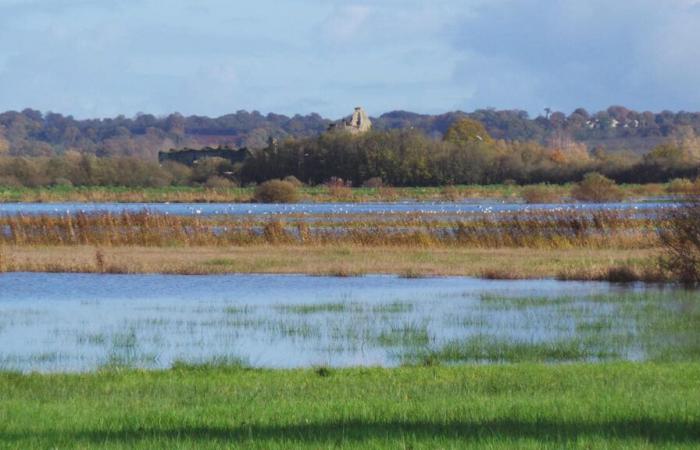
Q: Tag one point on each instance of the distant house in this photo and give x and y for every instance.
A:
(191, 157)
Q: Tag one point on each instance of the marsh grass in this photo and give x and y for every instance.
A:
(318, 308)
(92, 339)
(396, 307)
(492, 349)
(631, 324)
(648, 325)
(528, 229)
(235, 310)
(412, 274)
(408, 334)
(497, 301)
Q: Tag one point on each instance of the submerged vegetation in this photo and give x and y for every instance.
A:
(423, 324)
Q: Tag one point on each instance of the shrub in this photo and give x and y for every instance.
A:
(217, 182)
(337, 182)
(340, 192)
(680, 237)
(388, 193)
(374, 182)
(62, 182)
(680, 186)
(208, 167)
(451, 194)
(181, 173)
(10, 181)
(276, 191)
(539, 193)
(597, 188)
(294, 180)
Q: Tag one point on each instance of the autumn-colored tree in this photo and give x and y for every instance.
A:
(4, 144)
(665, 155)
(467, 130)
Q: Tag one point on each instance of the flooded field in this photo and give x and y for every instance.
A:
(79, 322)
(246, 209)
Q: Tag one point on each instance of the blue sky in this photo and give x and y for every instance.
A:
(107, 57)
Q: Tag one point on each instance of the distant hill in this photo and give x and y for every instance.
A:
(33, 133)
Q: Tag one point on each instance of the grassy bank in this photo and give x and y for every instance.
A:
(621, 405)
(514, 193)
(572, 263)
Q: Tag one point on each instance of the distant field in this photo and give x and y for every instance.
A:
(308, 194)
(585, 406)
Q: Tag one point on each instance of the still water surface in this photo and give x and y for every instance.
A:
(80, 322)
(208, 209)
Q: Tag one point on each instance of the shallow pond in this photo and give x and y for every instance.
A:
(310, 208)
(79, 322)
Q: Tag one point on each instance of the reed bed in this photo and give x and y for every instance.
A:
(532, 229)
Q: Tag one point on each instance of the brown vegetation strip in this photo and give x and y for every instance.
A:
(536, 229)
(328, 260)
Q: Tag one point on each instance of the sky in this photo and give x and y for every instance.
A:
(102, 58)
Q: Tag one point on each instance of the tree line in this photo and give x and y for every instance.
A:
(32, 133)
(466, 154)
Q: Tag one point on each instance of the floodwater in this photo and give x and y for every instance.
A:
(244, 209)
(82, 322)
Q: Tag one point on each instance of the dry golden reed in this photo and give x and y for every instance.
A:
(534, 229)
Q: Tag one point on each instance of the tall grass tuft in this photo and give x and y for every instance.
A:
(680, 237)
(100, 261)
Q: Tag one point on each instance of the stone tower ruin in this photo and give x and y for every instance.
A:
(359, 123)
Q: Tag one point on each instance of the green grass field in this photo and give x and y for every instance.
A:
(617, 405)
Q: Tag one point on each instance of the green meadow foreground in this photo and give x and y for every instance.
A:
(617, 405)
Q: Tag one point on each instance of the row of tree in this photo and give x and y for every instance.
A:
(466, 155)
(33, 133)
